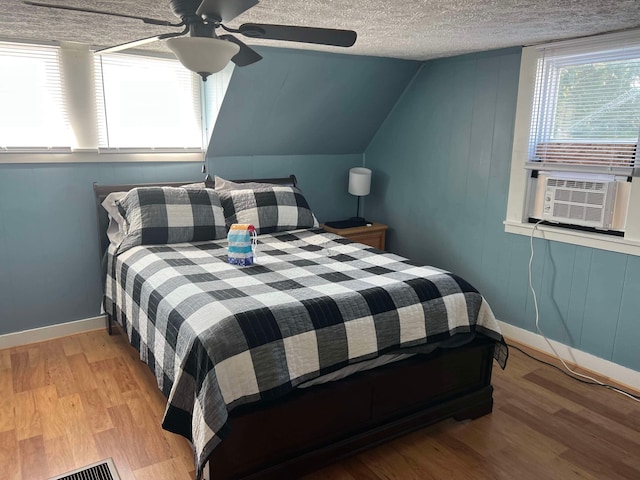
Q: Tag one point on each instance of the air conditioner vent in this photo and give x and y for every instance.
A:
(579, 184)
(579, 202)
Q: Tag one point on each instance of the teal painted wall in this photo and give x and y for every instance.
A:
(441, 164)
(49, 260)
(297, 102)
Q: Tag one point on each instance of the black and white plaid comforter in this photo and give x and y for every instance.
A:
(218, 335)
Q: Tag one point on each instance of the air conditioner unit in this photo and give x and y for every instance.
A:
(582, 202)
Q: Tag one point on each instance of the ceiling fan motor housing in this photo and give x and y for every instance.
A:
(183, 8)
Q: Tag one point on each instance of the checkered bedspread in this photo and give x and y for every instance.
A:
(217, 335)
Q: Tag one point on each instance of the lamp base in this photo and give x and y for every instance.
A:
(350, 223)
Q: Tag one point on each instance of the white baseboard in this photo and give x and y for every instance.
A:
(51, 331)
(617, 373)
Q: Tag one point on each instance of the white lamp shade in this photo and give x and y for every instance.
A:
(359, 181)
(203, 55)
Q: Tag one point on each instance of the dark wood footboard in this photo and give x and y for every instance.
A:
(319, 425)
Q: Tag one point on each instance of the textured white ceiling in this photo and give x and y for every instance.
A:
(409, 29)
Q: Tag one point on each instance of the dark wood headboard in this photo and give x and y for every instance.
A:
(101, 192)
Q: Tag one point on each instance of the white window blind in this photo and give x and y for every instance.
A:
(146, 103)
(215, 89)
(33, 113)
(586, 108)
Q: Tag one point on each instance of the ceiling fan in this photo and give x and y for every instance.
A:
(205, 52)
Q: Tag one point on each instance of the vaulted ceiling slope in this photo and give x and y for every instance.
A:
(304, 102)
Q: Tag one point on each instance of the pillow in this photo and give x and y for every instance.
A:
(159, 215)
(196, 186)
(117, 224)
(222, 184)
(270, 209)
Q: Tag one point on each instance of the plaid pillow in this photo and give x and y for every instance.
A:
(159, 215)
(270, 209)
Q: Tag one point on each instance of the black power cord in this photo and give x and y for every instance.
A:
(605, 385)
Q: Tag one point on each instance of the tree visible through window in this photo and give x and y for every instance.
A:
(587, 112)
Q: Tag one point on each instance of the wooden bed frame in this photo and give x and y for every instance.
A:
(315, 426)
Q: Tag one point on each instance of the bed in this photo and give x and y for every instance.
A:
(321, 349)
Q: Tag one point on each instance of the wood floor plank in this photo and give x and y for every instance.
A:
(6, 383)
(589, 399)
(49, 410)
(389, 464)
(95, 410)
(531, 467)
(78, 430)
(37, 371)
(27, 417)
(59, 453)
(626, 431)
(522, 387)
(5, 359)
(57, 368)
(596, 393)
(599, 466)
(629, 447)
(9, 456)
(20, 371)
(581, 444)
(432, 453)
(81, 371)
(499, 432)
(96, 346)
(143, 447)
(33, 458)
(171, 469)
(7, 414)
(356, 468)
(71, 345)
(110, 445)
(105, 382)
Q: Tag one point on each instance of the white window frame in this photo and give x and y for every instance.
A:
(520, 184)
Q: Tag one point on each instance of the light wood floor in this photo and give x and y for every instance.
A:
(76, 400)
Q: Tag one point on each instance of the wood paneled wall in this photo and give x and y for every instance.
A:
(441, 164)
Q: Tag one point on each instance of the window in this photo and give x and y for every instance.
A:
(586, 109)
(146, 102)
(575, 142)
(33, 113)
(65, 104)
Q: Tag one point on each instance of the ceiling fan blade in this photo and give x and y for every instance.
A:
(246, 55)
(225, 10)
(321, 36)
(137, 43)
(151, 21)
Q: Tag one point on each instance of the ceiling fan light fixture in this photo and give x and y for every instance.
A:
(203, 55)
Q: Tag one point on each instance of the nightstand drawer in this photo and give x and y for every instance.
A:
(374, 236)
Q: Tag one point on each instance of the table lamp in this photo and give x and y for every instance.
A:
(360, 186)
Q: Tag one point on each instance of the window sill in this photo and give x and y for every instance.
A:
(575, 237)
(92, 156)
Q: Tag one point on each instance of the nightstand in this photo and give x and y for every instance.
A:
(373, 236)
